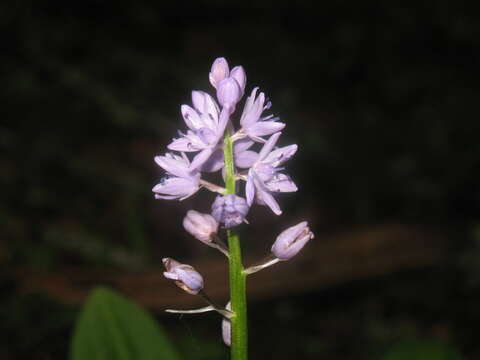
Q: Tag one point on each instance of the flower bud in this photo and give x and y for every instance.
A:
(201, 226)
(229, 93)
(239, 75)
(227, 328)
(219, 71)
(230, 210)
(291, 241)
(185, 276)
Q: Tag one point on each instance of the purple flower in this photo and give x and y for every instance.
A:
(201, 226)
(185, 276)
(253, 124)
(206, 127)
(229, 93)
(180, 182)
(265, 177)
(230, 210)
(230, 85)
(291, 241)
(219, 71)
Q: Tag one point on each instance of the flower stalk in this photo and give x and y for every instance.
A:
(238, 298)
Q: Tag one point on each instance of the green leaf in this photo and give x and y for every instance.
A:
(111, 327)
(422, 350)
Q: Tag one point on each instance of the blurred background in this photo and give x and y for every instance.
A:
(381, 98)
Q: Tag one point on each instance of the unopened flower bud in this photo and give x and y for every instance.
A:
(230, 210)
(291, 241)
(227, 328)
(201, 226)
(229, 93)
(239, 75)
(185, 276)
(219, 71)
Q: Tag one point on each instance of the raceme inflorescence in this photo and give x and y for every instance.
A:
(247, 156)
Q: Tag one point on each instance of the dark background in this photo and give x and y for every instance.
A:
(381, 98)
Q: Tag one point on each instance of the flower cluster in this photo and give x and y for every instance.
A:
(258, 163)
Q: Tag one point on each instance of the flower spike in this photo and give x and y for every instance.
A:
(211, 142)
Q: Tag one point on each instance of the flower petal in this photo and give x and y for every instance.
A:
(265, 197)
(255, 109)
(177, 187)
(250, 188)
(245, 159)
(242, 145)
(281, 183)
(238, 73)
(214, 162)
(186, 144)
(219, 71)
(173, 166)
(278, 156)
(264, 128)
(268, 146)
(201, 158)
(191, 117)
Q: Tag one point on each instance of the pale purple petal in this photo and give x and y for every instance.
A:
(242, 145)
(253, 109)
(207, 107)
(191, 279)
(211, 109)
(250, 188)
(219, 71)
(278, 156)
(191, 141)
(268, 146)
(228, 92)
(245, 159)
(264, 196)
(246, 119)
(191, 117)
(281, 183)
(198, 100)
(264, 128)
(200, 158)
(177, 187)
(238, 73)
(214, 162)
(187, 143)
(173, 166)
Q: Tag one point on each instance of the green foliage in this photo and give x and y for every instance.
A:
(110, 327)
(422, 350)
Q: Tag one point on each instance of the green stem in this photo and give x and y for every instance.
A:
(238, 297)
